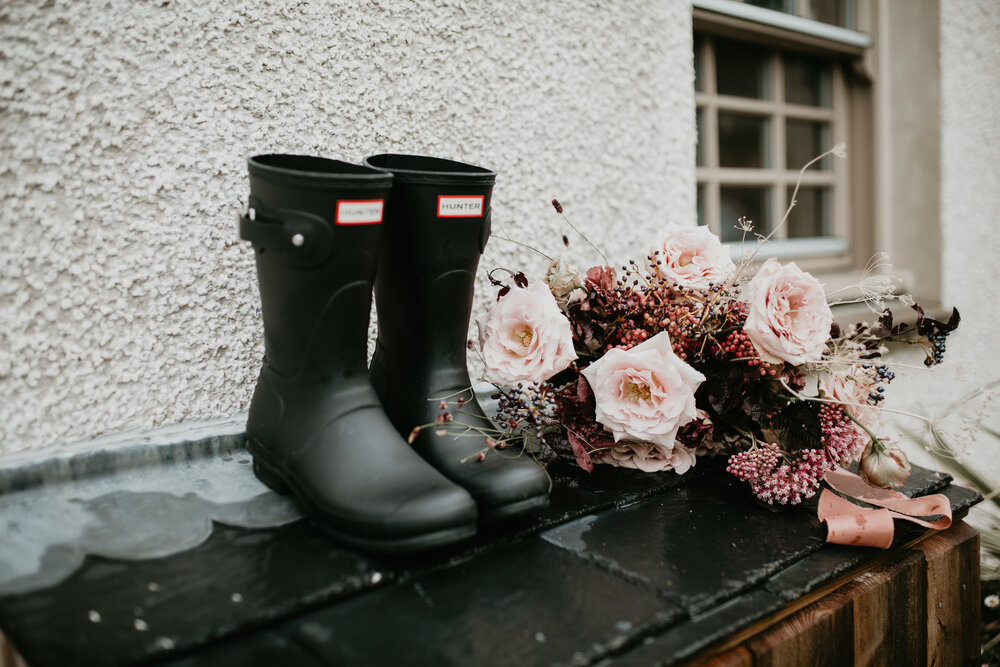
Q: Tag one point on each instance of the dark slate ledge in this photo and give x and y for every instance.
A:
(620, 564)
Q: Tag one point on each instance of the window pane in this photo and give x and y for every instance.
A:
(697, 63)
(743, 140)
(700, 147)
(804, 140)
(834, 12)
(701, 205)
(737, 202)
(811, 215)
(807, 81)
(777, 5)
(741, 69)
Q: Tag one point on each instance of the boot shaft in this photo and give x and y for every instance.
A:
(315, 226)
(436, 227)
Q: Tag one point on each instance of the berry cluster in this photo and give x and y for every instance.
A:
(937, 340)
(777, 478)
(527, 405)
(879, 374)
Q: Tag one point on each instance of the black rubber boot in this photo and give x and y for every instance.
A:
(436, 226)
(316, 426)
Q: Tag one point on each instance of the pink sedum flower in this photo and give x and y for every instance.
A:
(692, 256)
(648, 457)
(884, 465)
(788, 318)
(524, 337)
(644, 394)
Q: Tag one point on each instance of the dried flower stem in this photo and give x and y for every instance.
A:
(817, 399)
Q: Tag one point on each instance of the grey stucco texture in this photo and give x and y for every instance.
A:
(125, 297)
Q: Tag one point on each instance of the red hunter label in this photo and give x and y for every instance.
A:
(460, 206)
(360, 211)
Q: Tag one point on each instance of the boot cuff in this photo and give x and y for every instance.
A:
(316, 172)
(434, 170)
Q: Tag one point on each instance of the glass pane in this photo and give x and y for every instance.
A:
(700, 148)
(741, 69)
(834, 12)
(811, 215)
(740, 201)
(701, 205)
(777, 5)
(804, 140)
(807, 81)
(743, 140)
(697, 62)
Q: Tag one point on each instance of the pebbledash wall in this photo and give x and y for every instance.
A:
(126, 299)
(969, 235)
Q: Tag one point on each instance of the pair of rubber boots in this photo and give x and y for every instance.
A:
(324, 426)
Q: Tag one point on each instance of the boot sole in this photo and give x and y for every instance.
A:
(271, 477)
(513, 510)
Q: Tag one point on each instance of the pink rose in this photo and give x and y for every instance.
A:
(650, 458)
(788, 318)
(853, 388)
(645, 393)
(692, 256)
(524, 337)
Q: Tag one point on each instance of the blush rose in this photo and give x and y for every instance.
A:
(692, 256)
(524, 337)
(788, 318)
(644, 394)
(648, 457)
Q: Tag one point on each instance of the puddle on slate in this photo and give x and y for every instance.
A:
(135, 498)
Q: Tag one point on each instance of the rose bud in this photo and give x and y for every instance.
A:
(884, 465)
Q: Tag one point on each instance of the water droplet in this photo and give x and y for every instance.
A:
(140, 625)
(540, 637)
(94, 616)
(236, 597)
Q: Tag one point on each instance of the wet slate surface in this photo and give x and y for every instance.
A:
(238, 580)
(622, 566)
(686, 640)
(523, 605)
(697, 546)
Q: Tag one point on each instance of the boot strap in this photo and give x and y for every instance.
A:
(305, 239)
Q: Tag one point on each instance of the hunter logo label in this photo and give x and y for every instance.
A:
(460, 206)
(360, 211)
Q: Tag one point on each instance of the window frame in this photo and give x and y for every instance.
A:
(852, 208)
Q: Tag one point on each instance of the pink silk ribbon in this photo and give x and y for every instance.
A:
(847, 523)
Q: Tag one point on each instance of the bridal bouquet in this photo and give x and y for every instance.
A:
(683, 353)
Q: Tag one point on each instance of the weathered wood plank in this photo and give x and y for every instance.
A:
(738, 657)
(889, 618)
(822, 635)
(952, 585)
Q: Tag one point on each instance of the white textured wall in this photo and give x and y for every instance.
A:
(126, 299)
(970, 235)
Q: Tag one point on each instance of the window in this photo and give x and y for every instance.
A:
(774, 90)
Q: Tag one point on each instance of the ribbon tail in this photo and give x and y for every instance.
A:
(851, 524)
